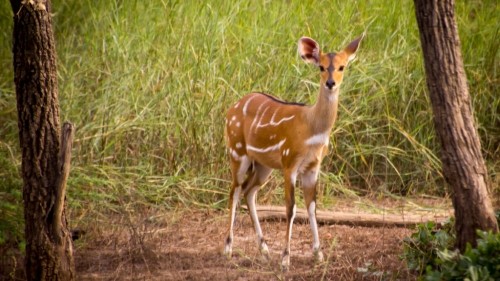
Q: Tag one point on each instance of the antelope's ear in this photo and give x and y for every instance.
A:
(351, 49)
(309, 50)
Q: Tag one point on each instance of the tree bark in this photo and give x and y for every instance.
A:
(49, 249)
(462, 162)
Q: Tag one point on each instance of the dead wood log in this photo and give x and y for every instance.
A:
(355, 219)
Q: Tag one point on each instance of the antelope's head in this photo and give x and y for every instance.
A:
(331, 65)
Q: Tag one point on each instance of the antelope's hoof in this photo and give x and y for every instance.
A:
(228, 251)
(285, 263)
(318, 256)
(264, 250)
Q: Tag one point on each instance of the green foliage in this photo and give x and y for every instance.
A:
(147, 84)
(422, 248)
(11, 206)
(481, 263)
(429, 251)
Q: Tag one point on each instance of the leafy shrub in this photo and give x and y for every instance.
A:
(429, 251)
(481, 263)
(11, 204)
(422, 247)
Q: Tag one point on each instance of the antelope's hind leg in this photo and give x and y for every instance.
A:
(239, 169)
(258, 176)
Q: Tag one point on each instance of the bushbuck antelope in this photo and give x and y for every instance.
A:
(264, 133)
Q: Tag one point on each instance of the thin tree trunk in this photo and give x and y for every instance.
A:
(49, 254)
(463, 165)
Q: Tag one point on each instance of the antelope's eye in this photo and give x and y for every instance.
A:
(341, 68)
(321, 68)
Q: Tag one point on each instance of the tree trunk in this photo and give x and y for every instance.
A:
(45, 165)
(463, 165)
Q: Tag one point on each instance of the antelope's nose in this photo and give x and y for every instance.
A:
(330, 83)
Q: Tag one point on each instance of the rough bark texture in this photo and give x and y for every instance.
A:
(463, 165)
(48, 249)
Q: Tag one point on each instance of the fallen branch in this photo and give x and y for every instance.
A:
(357, 219)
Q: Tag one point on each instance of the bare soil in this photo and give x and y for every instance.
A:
(148, 243)
(188, 246)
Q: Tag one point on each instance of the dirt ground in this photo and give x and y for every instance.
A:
(154, 244)
(188, 246)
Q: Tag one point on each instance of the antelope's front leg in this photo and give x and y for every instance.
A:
(290, 178)
(309, 184)
(238, 170)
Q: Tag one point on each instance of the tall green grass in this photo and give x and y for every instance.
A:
(147, 84)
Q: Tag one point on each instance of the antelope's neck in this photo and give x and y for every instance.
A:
(323, 114)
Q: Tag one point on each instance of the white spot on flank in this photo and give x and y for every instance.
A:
(232, 120)
(322, 138)
(272, 137)
(267, 149)
(238, 124)
(235, 155)
(238, 145)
